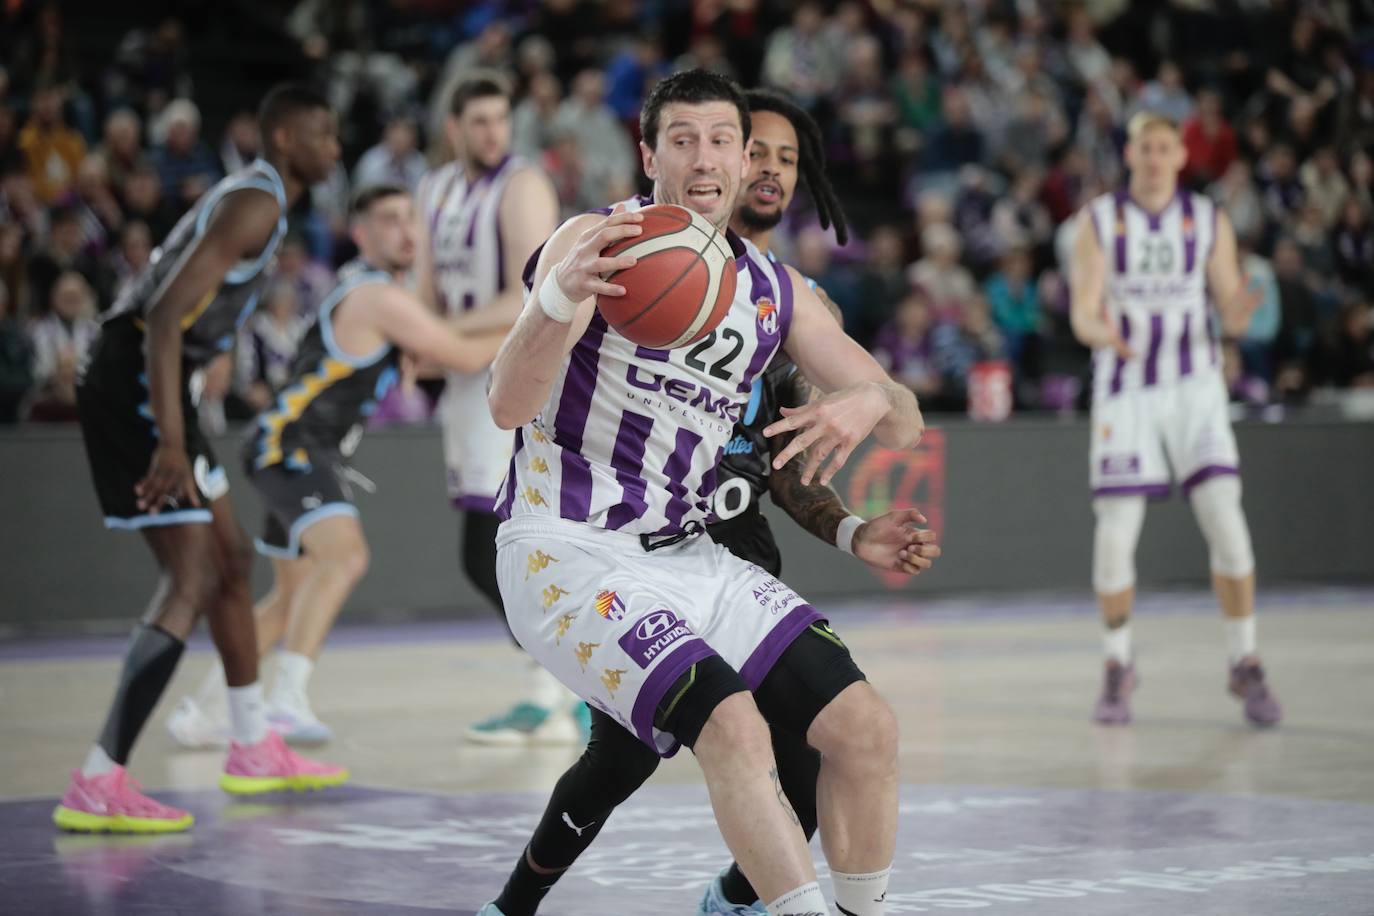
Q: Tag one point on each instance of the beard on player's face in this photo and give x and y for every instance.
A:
(759, 220)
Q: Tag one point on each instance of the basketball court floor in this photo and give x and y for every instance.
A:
(1013, 801)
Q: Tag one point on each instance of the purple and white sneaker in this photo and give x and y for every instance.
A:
(1114, 705)
(1247, 684)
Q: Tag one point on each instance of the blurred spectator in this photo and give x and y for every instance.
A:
(1257, 340)
(902, 346)
(1350, 361)
(1298, 326)
(803, 59)
(1236, 194)
(310, 281)
(813, 259)
(956, 346)
(1019, 218)
(532, 120)
(1166, 94)
(882, 283)
(707, 52)
(134, 253)
(61, 340)
(1014, 300)
(955, 141)
(10, 153)
(1354, 248)
(53, 150)
(95, 204)
(972, 216)
(1036, 128)
(43, 56)
(946, 283)
(1298, 73)
(863, 107)
(268, 346)
(1324, 187)
(16, 360)
(1362, 179)
(916, 91)
(630, 72)
(242, 143)
(121, 148)
(1089, 61)
(395, 160)
(1314, 241)
(151, 67)
(62, 253)
(1283, 194)
(607, 152)
(184, 163)
(143, 201)
(1101, 137)
(14, 270)
(1209, 139)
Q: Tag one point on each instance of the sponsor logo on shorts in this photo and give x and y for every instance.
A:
(768, 315)
(652, 635)
(610, 678)
(564, 624)
(1120, 464)
(609, 605)
(552, 594)
(537, 562)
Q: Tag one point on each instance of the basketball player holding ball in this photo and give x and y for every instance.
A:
(785, 147)
(615, 449)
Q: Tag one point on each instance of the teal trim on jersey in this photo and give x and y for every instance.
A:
(327, 323)
(755, 399)
(162, 519)
(272, 184)
(300, 526)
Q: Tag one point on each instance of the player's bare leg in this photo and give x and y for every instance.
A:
(1119, 520)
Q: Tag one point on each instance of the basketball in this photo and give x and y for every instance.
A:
(682, 285)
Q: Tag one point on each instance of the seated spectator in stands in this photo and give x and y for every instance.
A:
(972, 216)
(1089, 61)
(62, 253)
(134, 252)
(954, 141)
(51, 148)
(1236, 193)
(1324, 186)
(143, 201)
(395, 160)
(268, 346)
(10, 153)
(1278, 176)
(1310, 233)
(532, 121)
(1362, 179)
(630, 73)
(1064, 183)
(1100, 136)
(864, 109)
(940, 274)
(916, 90)
(184, 163)
(95, 205)
(804, 59)
(607, 150)
(16, 361)
(311, 280)
(902, 346)
(1354, 248)
(121, 147)
(562, 162)
(152, 66)
(1350, 362)
(1166, 94)
(1013, 296)
(881, 284)
(812, 254)
(1209, 139)
(1257, 340)
(956, 346)
(1020, 217)
(61, 340)
(1034, 129)
(1299, 325)
(14, 270)
(242, 142)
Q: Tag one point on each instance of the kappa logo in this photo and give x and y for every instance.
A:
(609, 605)
(768, 315)
(652, 635)
(610, 678)
(537, 562)
(564, 624)
(534, 497)
(584, 651)
(552, 594)
(539, 466)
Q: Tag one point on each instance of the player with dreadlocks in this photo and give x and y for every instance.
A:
(785, 149)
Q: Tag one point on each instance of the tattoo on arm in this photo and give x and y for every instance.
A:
(782, 796)
(816, 508)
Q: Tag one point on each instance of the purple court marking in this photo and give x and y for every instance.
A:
(1012, 850)
(846, 613)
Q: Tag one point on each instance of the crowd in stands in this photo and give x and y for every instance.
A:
(962, 138)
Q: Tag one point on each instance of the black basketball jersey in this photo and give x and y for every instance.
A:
(330, 393)
(742, 475)
(210, 328)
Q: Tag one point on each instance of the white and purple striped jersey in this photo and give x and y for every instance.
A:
(1156, 290)
(630, 437)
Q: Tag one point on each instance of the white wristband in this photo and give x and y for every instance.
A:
(844, 535)
(554, 301)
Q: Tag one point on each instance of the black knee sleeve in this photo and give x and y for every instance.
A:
(810, 673)
(692, 698)
(149, 663)
(479, 554)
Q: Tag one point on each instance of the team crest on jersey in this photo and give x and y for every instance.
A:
(609, 605)
(768, 315)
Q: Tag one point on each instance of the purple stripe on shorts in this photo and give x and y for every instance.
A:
(1120, 366)
(669, 668)
(1189, 233)
(1206, 473)
(628, 461)
(1151, 490)
(507, 496)
(574, 403)
(1185, 347)
(760, 286)
(784, 632)
(1152, 352)
(470, 502)
(676, 470)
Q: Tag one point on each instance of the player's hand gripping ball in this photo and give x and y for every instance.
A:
(682, 283)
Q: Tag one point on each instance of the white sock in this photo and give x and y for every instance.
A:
(209, 696)
(293, 675)
(806, 899)
(1117, 643)
(861, 895)
(98, 763)
(546, 690)
(1240, 637)
(247, 714)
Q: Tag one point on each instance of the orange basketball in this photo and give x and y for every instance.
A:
(682, 285)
